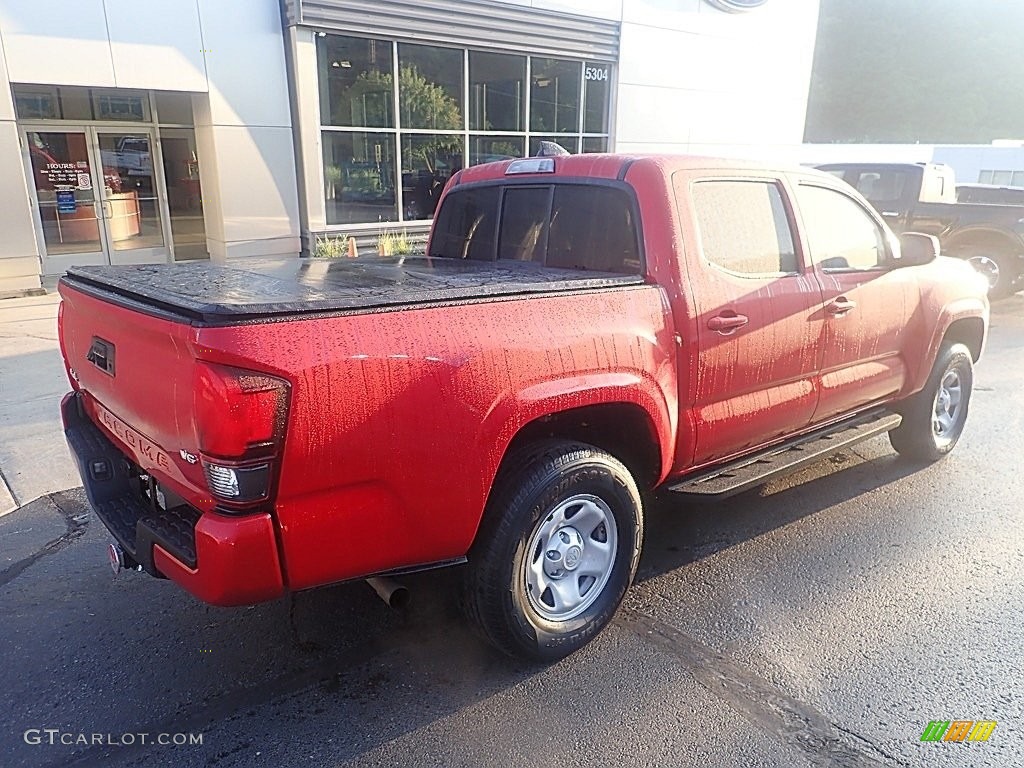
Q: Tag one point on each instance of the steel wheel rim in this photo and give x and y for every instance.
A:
(948, 407)
(569, 557)
(987, 267)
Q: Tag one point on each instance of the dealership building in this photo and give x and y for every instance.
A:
(172, 130)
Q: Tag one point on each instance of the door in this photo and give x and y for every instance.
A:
(132, 209)
(97, 196)
(759, 328)
(869, 307)
(64, 186)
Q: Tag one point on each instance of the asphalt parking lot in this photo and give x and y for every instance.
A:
(823, 620)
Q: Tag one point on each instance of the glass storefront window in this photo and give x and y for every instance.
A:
(359, 177)
(184, 195)
(489, 149)
(356, 82)
(174, 107)
(37, 102)
(569, 143)
(555, 96)
(77, 104)
(430, 87)
(496, 93)
(428, 161)
(120, 105)
(455, 108)
(50, 102)
(595, 97)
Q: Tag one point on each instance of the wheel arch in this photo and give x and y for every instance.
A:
(969, 331)
(623, 429)
(1004, 242)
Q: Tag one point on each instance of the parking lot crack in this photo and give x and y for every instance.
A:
(75, 525)
(783, 717)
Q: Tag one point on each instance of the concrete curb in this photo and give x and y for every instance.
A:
(7, 501)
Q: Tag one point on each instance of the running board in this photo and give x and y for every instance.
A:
(784, 459)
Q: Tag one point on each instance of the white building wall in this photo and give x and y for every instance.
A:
(696, 79)
(693, 78)
(245, 123)
(230, 53)
(19, 252)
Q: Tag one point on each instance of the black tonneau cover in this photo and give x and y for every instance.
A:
(267, 288)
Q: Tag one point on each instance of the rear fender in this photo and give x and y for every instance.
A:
(549, 398)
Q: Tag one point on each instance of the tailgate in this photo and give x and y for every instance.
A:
(136, 370)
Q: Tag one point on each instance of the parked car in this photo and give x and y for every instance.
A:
(922, 197)
(581, 331)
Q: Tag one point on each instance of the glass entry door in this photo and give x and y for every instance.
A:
(64, 181)
(131, 207)
(98, 197)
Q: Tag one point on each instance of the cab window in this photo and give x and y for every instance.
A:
(744, 227)
(842, 236)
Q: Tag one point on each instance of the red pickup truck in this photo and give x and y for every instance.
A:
(581, 330)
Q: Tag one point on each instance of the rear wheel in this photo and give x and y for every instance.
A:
(558, 548)
(934, 418)
(999, 268)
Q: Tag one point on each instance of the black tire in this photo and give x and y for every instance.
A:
(921, 435)
(540, 487)
(1000, 268)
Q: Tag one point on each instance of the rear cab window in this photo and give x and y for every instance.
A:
(577, 226)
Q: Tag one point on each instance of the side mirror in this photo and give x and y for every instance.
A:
(917, 249)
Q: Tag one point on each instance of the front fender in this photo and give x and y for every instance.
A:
(958, 309)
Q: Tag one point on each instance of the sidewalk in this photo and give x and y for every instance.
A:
(34, 458)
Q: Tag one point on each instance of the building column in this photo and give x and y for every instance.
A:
(244, 135)
(19, 250)
(306, 115)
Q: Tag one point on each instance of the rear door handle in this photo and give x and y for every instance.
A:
(840, 306)
(727, 322)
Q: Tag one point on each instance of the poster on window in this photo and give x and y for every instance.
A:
(66, 201)
(62, 174)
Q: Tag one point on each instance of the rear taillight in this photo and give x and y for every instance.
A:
(240, 420)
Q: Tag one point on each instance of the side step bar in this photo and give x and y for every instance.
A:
(786, 458)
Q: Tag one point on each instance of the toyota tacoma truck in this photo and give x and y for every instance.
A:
(580, 331)
(923, 197)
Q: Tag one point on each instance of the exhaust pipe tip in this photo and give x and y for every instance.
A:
(120, 560)
(390, 591)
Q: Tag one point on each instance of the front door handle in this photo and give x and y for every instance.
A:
(840, 306)
(727, 322)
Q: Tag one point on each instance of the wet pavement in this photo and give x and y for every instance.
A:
(823, 620)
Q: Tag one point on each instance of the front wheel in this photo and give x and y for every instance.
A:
(557, 550)
(934, 418)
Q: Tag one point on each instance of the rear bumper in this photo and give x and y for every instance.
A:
(221, 559)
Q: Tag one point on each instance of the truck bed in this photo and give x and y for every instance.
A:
(264, 288)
